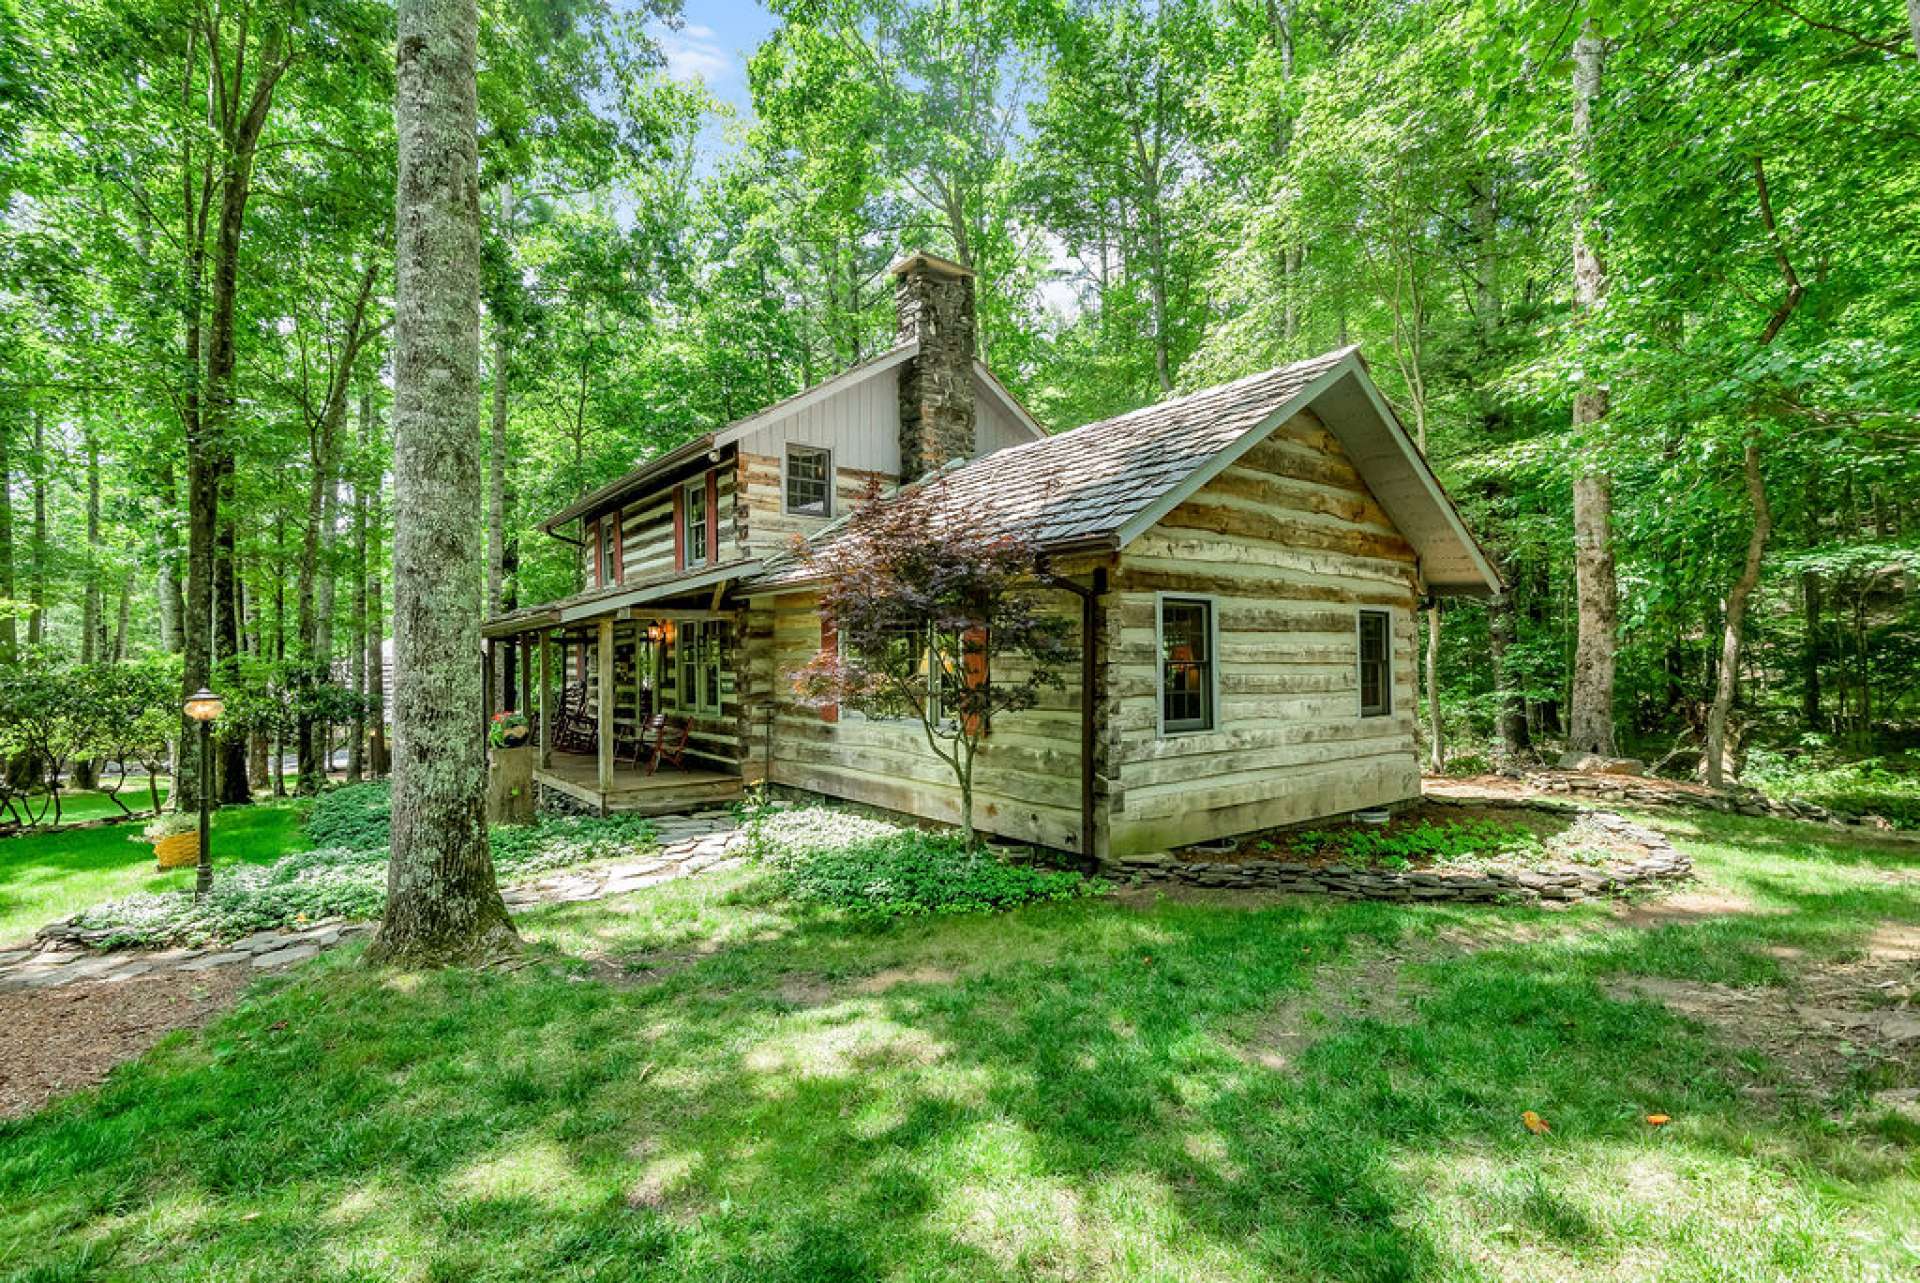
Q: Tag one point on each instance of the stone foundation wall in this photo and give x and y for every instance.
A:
(551, 801)
(1558, 883)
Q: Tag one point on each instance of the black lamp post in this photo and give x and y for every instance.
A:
(203, 706)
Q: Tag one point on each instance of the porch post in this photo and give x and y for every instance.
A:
(606, 710)
(546, 685)
(524, 644)
(486, 683)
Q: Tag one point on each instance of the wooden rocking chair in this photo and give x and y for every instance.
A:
(669, 742)
(574, 730)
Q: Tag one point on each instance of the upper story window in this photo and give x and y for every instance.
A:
(809, 481)
(693, 518)
(1376, 663)
(610, 549)
(1186, 664)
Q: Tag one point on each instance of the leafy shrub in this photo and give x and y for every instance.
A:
(1885, 786)
(169, 824)
(873, 869)
(555, 841)
(339, 882)
(357, 817)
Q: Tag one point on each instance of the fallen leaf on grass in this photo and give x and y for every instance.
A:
(1535, 1124)
(1658, 1120)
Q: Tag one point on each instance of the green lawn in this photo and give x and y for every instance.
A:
(48, 875)
(77, 805)
(699, 1082)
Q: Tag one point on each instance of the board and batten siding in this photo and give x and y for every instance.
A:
(1026, 779)
(1289, 545)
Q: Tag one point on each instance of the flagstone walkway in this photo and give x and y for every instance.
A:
(690, 844)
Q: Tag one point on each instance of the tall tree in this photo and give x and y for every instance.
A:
(1590, 729)
(443, 903)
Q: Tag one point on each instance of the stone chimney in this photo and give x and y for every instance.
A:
(933, 300)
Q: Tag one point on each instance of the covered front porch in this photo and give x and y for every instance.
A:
(634, 792)
(634, 708)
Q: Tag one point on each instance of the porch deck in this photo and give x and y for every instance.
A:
(635, 792)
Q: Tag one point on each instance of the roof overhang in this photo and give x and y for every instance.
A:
(566, 611)
(652, 470)
(1346, 399)
(997, 392)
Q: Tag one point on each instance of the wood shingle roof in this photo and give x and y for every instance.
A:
(1089, 483)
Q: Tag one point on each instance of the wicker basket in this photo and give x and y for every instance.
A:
(178, 850)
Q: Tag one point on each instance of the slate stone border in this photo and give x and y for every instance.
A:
(1558, 883)
(1614, 788)
(63, 954)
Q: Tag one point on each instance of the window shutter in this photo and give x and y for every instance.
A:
(973, 667)
(679, 528)
(829, 642)
(713, 517)
(619, 546)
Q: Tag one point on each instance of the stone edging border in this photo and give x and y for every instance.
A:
(1558, 883)
(1620, 789)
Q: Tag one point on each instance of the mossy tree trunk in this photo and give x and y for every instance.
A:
(443, 902)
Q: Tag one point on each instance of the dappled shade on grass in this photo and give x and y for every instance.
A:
(749, 1090)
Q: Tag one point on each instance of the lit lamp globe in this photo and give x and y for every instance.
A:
(204, 706)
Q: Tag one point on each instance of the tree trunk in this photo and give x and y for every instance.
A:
(357, 656)
(93, 625)
(229, 751)
(1810, 649)
(497, 457)
(37, 588)
(1736, 615)
(1591, 729)
(167, 579)
(443, 903)
(1516, 743)
(9, 632)
(117, 652)
(1436, 745)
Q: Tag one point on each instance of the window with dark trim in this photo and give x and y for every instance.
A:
(1186, 664)
(694, 523)
(698, 652)
(1376, 663)
(809, 481)
(610, 549)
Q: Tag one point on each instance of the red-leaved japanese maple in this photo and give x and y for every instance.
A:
(937, 621)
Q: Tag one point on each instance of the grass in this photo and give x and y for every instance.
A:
(704, 1082)
(45, 876)
(80, 805)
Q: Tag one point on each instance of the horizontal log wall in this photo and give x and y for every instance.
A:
(1027, 778)
(1289, 544)
(764, 528)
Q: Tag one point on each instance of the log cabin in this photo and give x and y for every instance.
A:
(1243, 565)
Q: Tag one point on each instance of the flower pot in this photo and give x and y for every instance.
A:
(178, 850)
(515, 736)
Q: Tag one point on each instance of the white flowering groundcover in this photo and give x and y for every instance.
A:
(335, 882)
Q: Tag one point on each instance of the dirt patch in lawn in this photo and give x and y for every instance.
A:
(1373, 986)
(1681, 908)
(58, 1040)
(894, 977)
(1832, 1025)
